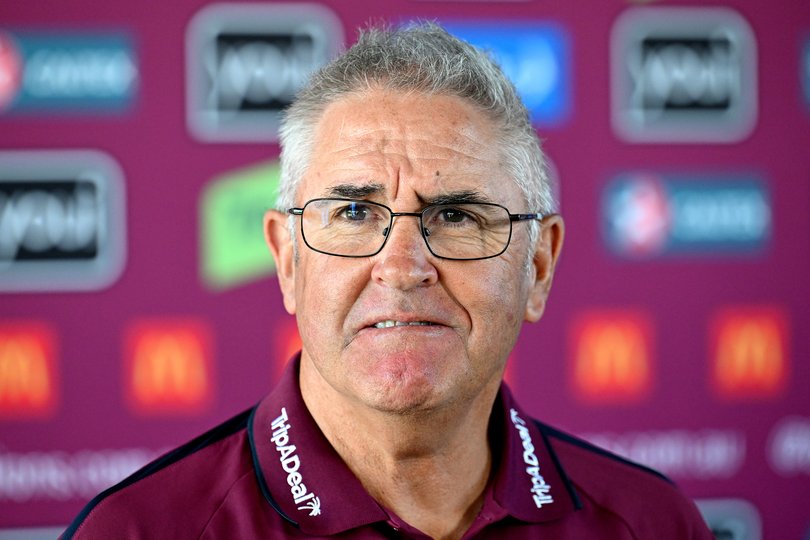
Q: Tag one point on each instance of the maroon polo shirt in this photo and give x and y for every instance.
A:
(270, 473)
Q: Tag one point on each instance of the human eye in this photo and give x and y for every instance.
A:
(355, 212)
(454, 216)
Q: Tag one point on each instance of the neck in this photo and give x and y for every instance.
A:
(430, 468)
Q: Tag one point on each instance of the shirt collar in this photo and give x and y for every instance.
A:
(301, 475)
(304, 479)
(529, 483)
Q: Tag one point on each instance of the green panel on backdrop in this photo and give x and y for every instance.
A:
(233, 251)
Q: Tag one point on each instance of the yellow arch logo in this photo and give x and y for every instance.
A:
(612, 360)
(26, 373)
(750, 358)
(169, 371)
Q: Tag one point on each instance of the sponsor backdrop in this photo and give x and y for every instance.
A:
(138, 305)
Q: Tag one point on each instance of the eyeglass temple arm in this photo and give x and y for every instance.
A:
(525, 217)
(295, 211)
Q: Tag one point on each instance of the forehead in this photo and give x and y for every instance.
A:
(427, 143)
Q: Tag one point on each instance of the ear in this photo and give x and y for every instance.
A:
(277, 237)
(544, 261)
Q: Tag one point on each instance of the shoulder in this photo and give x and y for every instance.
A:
(180, 483)
(646, 501)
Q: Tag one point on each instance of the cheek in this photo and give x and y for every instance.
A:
(510, 318)
(503, 296)
(328, 289)
(319, 312)
(496, 301)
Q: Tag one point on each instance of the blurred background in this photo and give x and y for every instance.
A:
(139, 307)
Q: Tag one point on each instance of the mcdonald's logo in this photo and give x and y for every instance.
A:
(287, 342)
(611, 357)
(168, 367)
(510, 375)
(27, 371)
(750, 353)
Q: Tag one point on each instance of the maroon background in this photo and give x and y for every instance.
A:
(166, 169)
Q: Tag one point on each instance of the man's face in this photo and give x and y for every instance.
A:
(404, 151)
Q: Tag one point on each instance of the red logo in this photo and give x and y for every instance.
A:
(641, 215)
(510, 373)
(10, 70)
(168, 367)
(750, 353)
(611, 357)
(27, 371)
(287, 343)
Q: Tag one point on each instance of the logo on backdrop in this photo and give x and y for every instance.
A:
(231, 212)
(683, 75)
(10, 70)
(61, 475)
(750, 353)
(789, 448)
(168, 367)
(731, 519)
(701, 454)
(647, 215)
(805, 71)
(61, 220)
(54, 72)
(28, 387)
(286, 343)
(535, 56)
(245, 63)
(611, 357)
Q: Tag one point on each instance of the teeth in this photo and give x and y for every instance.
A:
(390, 324)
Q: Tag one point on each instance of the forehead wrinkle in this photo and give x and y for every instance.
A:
(426, 148)
(366, 145)
(389, 140)
(364, 178)
(408, 142)
(363, 165)
(341, 128)
(361, 135)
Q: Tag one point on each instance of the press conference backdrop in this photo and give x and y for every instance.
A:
(138, 304)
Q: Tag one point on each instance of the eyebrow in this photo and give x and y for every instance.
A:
(354, 191)
(465, 196)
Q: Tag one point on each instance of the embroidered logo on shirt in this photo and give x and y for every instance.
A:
(290, 462)
(540, 489)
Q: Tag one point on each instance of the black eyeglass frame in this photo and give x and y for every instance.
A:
(299, 211)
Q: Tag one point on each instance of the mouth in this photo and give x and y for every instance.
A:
(392, 323)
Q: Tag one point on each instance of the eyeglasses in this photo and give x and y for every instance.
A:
(457, 231)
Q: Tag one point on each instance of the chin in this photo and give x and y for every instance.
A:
(403, 408)
(405, 397)
(407, 383)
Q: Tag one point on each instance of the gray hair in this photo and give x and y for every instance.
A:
(419, 58)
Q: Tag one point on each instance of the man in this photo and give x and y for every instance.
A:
(415, 233)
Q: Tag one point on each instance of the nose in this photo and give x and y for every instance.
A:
(405, 262)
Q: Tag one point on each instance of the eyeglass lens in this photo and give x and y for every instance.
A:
(360, 228)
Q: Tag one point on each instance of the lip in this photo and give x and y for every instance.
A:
(390, 323)
(441, 330)
(433, 331)
(403, 321)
